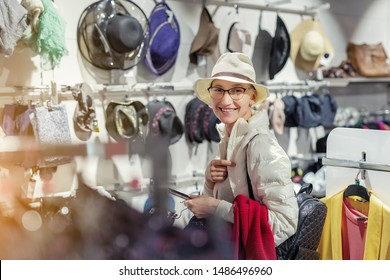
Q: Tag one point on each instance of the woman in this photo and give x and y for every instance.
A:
(247, 147)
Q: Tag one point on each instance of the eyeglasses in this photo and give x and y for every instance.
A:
(235, 93)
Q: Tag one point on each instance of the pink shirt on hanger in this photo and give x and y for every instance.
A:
(353, 231)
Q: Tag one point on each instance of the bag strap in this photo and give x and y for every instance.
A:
(248, 178)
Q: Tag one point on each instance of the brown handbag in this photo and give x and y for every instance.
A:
(369, 60)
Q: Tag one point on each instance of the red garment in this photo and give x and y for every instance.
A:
(252, 235)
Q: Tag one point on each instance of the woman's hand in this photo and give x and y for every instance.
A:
(217, 171)
(201, 205)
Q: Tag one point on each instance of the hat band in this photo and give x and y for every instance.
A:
(235, 75)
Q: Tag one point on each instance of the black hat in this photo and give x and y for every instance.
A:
(280, 50)
(113, 34)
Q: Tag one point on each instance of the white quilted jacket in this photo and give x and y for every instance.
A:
(269, 169)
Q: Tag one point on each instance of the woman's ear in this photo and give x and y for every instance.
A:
(253, 98)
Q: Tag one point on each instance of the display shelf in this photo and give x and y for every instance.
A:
(344, 82)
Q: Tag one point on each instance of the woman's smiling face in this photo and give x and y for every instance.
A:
(228, 110)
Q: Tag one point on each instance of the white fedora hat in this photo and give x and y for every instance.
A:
(233, 67)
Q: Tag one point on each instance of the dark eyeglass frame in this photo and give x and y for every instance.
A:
(232, 94)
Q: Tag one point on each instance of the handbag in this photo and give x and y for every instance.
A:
(369, 60)
(50, 127)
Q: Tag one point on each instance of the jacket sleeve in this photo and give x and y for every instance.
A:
(270, 171)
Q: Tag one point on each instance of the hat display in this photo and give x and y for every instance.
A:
(127, 120)
(261, 55)
(164, 123)
(206, 40)
(233, 67)
(309, 45)
(164, 39)
(113, 34)
(280, 50)
(233, 37)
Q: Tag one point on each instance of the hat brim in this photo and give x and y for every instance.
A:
(202, 85)
(296, 37)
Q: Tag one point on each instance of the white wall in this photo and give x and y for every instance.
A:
(359, 21)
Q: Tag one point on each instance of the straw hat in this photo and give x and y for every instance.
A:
(232, 67)
(309, 45)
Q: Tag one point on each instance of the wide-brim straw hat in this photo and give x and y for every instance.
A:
(233, 67)
(309, 45)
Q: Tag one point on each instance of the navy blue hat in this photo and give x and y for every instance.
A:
(291, 110)
(328, 109)
(310, 111)
(164, 39)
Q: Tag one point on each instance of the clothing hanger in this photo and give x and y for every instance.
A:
(357, 190)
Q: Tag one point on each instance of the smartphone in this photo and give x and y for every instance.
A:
(178, 194)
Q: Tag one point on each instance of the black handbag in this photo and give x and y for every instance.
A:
(304, 243)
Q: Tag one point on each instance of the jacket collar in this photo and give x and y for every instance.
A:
(257, 123)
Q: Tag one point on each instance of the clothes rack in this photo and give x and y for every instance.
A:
(345, 147)
(309, 11)
(298, 86)
(357, 164)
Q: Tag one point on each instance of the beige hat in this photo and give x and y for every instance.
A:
(309, 45)
(233, 67)
(206, 40)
